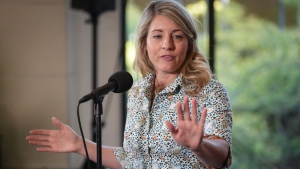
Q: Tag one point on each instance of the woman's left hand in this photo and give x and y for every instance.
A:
(189, 132)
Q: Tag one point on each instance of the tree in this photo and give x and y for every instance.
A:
(259, 65)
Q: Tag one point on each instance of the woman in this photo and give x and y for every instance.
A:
(178, 116)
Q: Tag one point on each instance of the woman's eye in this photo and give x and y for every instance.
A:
(156, 36)
(177, 36)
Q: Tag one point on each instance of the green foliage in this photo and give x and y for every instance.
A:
(291, 2)
(133, 15)
(259, 65)
(132, 18)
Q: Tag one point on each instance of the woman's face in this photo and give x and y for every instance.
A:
(166, 45)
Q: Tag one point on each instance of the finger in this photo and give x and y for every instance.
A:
(194, 110)
(179, 111)
(203, 117)
(37, 137)
(40, 132)
(170, 126)
(186, 108)
(57, 123)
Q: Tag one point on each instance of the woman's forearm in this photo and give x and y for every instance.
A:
(108, 157)
(213, 153)
(91, 148)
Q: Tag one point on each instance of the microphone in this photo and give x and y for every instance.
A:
(118, 82)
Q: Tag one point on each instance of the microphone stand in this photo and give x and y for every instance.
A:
(98, 111)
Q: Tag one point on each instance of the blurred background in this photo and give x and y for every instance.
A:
(47, 65)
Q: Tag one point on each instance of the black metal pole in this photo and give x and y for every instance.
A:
(94, 8)
(281, 15)
(98, 111)
(123, 51)
(94, 21)
(211, 30)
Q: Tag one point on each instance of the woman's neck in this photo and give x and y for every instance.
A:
(161, 82)
(165, 79)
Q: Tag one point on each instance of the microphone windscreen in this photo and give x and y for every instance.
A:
(123, 79)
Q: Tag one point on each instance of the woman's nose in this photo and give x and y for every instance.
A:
(167, 44)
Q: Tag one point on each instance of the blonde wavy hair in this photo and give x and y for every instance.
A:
(195, 69)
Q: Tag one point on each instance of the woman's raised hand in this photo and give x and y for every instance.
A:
(189, 131)
(62, 140)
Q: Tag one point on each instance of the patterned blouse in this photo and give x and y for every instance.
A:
(148, 142)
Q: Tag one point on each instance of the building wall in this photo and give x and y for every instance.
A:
(45, 68)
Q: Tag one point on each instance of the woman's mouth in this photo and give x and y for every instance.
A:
(167, 57)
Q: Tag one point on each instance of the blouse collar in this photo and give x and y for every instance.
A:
(175, 86)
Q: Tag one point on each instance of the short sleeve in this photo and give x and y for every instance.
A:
(218, 123)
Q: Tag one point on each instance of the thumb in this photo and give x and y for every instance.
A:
(170, 126)
(57, 123)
